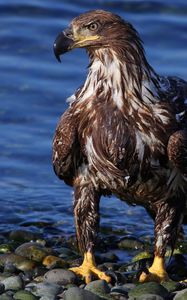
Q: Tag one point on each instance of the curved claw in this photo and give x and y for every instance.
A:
(88, 268)
(152, 276)
(156, 272)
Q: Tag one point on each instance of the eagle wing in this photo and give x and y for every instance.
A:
(177, 150)
(66, 148)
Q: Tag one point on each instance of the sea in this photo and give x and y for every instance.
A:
(33, 92)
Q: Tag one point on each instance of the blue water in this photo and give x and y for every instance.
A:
(33, 89)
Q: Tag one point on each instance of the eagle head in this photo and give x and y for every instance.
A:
(92, 30)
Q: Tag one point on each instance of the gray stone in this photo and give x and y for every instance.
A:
(2, 288)
(128, 286)
(48, 298)
(100, 288)
(170, 285)
(76, 293)
(181, 295)
(148, 288)
(44, 288)
(5, 297)
(130, 243)
(118, 290)
(147, 297)
(33, 251)
(23, 235)
(24, 295)
(60, 276)
(14, 283)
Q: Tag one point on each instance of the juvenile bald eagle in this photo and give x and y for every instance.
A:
(124, 133)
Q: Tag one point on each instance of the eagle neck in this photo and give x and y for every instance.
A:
(114, 80)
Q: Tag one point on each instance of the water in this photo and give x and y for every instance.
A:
(33, 89)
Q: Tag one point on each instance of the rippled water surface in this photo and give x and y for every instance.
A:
(33, 89)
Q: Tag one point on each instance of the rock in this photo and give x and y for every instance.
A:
(44, 288)
(4, 276)
(128, 287)
(60, 276)
(6, 297)
(2, 288)
(108, 257)
(24, 295)
(65, 253)
(147, 297)
(23, 236)
(119, 290)
(109, 266)
(48, 298)
(136, 266)
(32, 251)
(6, 248)
(76, 293)
(177, 267)
(130, 243)
(141, 255)
(9, 268)
(181, 295)
(171, 285)
(18, 261)
(148, 288)
(100, 288)
(52, 261)
(14, 283)
(182, 246)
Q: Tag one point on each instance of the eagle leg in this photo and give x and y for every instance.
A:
(167, 226)
(86, 211)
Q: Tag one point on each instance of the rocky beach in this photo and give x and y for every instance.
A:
(34, 267)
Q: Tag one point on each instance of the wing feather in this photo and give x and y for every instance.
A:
(65, 147)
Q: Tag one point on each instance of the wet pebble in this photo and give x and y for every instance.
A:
(171, 285)
(5, 296)
(177, 267)
(118, 291)
(76, 293)
(141, 255)
(181, 295)
(2, 288)
(24, 295)
(6, 248)
(65, 253)
(14, 283)
(18, 261)
(44, 288)
(108, 257)
(148, 288)
(130, 243)
(33, 251)
(23, 236)
(128, 286)
(52, 261)
(147, 297)
(99, 287)
(60, 276)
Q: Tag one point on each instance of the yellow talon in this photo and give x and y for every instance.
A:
(88, 268)
(156, 273)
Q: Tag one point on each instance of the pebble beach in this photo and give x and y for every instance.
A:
(32, 267)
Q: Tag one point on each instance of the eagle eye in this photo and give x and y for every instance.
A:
(93, 26)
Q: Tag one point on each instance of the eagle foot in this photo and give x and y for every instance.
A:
(156, 272)
(88, 268)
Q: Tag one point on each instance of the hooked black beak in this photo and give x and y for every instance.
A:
(63, 43)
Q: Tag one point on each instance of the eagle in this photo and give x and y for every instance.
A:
(123, 134)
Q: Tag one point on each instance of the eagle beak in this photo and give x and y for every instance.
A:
(63, 43)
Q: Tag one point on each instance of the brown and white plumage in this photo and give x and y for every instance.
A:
(124, 133)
